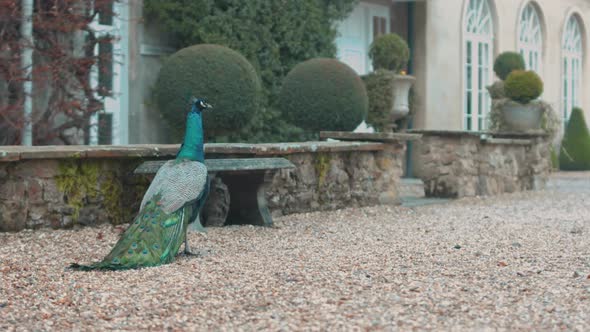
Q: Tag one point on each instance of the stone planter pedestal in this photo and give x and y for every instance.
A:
(522, 117)
(401, 93)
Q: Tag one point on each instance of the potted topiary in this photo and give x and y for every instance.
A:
(505, 63)
(522, 112)
(389, 54)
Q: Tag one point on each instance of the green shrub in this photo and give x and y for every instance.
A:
(379, 86)
(508, 62)
(323, 94)
(220, 75)
(389, 52)
(274, 35)
(523, 86)
(575, 147)
(496, 90)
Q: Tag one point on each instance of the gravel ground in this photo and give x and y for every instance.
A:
(519, 262)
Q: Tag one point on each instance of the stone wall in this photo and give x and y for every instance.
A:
(62, 186)
(328, 181)
(460, 164)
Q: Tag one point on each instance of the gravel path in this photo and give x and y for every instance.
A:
(518, 261)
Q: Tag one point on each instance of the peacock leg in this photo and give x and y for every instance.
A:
(187, 249)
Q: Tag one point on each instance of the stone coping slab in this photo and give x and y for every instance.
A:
(460, 133)
(15, 153)
(507, 141)
(225, 165)
(376, 137)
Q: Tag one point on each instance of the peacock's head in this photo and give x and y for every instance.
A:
(199, 105)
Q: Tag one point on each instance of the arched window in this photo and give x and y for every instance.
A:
(530, 38)
(478, 57)
(573, 53)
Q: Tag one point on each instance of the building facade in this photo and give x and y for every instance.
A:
(458, 40)
(453, 43)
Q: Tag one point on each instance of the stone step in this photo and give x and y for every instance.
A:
(414, 202)
(411, 187)
(569, 182)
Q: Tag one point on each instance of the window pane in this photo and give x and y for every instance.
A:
(105, 66)
(375, 27)
(479, 55)
(565, 90)
(479, 104)
(105, 128)
(105, 13)
(573, 83)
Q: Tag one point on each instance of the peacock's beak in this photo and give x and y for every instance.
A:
(207, 105)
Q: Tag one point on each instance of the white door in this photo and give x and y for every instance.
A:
(356, 33)
(478, 61)
(110, 125)
(573, 58)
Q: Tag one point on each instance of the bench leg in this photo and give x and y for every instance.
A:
(247, 198)
(216, 208)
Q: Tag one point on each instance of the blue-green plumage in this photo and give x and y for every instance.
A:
(173, 200)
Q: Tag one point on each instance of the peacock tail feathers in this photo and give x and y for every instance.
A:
(153, 238)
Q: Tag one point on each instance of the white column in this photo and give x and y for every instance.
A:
(27, 67)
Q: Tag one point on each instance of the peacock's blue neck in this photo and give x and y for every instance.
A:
(192, 146)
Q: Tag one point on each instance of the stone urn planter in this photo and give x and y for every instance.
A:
(401, 93)
(522, 117)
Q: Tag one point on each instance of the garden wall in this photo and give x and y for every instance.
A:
(460, 164)
(59, 186)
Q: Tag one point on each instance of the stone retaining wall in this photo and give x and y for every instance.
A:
(460, 164)
(60, 186)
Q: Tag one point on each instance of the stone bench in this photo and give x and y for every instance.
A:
(246, 180)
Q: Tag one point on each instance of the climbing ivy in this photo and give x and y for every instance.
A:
(322, 165)
(274, 35)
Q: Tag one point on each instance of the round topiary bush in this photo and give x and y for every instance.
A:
(575, 147)
(523, 86)
(508, 62)
(220, 75)
(389, 52)
(323, 94)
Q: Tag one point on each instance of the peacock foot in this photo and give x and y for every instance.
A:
(191, 253)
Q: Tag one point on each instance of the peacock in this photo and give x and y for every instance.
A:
(172, 201)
